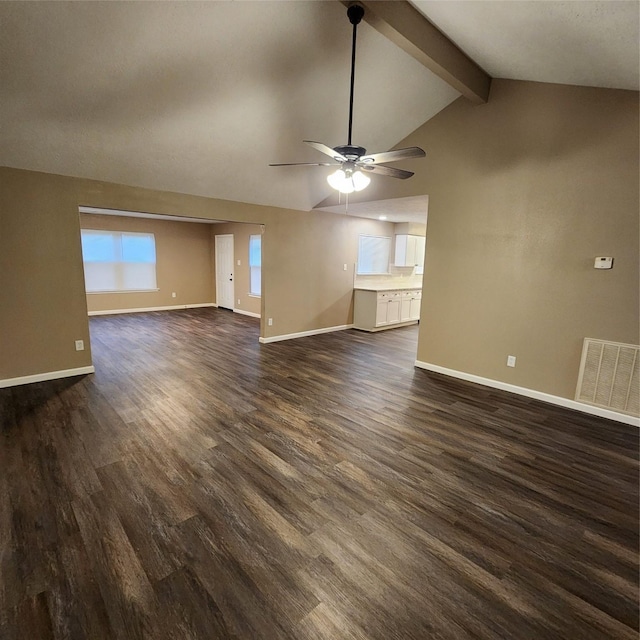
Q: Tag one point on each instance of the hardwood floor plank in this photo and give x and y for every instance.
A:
(33, 619)
(75, 601)
(247, 612)
(142, 519)
(348, 594)
(202, 486)
(187, 610)
(126, 591)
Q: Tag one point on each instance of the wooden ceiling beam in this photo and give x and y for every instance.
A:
(405, 26)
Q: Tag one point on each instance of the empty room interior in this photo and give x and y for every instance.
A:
(319, 320)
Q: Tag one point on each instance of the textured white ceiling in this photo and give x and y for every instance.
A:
(198, 97)
(590, 43)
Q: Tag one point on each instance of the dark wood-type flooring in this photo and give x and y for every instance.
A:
(201, 485)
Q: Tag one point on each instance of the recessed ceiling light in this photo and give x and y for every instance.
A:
(382, 217)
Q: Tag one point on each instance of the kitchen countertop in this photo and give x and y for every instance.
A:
(387, 287)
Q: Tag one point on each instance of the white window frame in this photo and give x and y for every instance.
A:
(119, 265)
(368, 246)
(255, 270)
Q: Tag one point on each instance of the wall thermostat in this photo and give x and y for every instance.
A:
(603, 263)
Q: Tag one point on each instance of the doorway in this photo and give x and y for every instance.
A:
(225, 292)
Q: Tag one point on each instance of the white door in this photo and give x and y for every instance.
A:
(224, 271)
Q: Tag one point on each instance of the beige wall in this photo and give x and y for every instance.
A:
(305, 284)
(43, 304)
(183, 263)
(43, 309)
(241, 233)
(524, 192)
(411, 228)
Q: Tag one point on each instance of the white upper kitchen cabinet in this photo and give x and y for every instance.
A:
(410, 251)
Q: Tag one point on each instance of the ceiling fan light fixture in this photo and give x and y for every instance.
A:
(351, 157)
(348, 181)
(360, 181)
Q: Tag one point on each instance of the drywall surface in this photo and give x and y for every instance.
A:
(524, 192)
(411, 228)
(43, 307)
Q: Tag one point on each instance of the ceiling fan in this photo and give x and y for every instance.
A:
(354, 162)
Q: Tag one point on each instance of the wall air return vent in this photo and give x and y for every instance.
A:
(610, 376)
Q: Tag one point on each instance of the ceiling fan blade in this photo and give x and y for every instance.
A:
(328, 151)
(393, 156)
(303, 164)
(385, 171)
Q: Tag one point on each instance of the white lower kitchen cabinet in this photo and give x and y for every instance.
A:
(416, 301)
(376, 310)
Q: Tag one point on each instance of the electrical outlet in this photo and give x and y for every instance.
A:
(270, 322)
(173, 295)
(238, 301)
(238, 262)
(344, 267)
(79, 345)
(511, 361)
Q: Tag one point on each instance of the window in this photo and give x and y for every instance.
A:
(374, 253)
(255, 265)
(118, 261)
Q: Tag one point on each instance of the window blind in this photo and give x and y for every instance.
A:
(118, 261)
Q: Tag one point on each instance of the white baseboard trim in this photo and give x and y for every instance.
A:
(388, 326)
(49, 375)
(303, 334)
(246, 313)
(531, 393)
(112, 312)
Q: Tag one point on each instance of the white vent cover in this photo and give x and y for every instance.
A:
(610, 376)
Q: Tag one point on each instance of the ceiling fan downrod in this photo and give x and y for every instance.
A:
(355, 13)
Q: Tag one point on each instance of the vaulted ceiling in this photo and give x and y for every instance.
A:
(198, 97)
